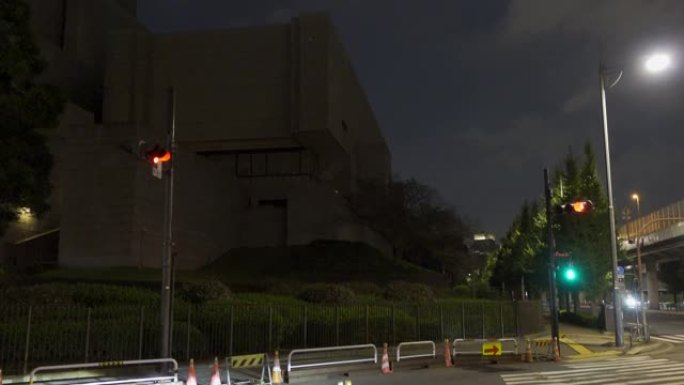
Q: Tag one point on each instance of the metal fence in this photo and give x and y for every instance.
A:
(39, 335)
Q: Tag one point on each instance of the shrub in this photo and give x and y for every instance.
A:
(100, 295)
(365, 288)
(201, 292)
(290, 288)
(483, 290)
(400, 291)
(462, 291)
(327, 293)
(579, 319)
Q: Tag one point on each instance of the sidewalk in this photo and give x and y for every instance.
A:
(579, 342)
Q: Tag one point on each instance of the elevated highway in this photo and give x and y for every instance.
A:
(657, 238)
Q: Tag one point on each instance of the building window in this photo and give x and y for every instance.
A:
(259, 164)
(273, 163)
(244, 165)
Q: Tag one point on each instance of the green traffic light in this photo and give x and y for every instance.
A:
(570, 274)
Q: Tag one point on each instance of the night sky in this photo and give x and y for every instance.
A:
(476, 97)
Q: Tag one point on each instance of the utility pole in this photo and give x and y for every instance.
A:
(167, 254)
(551, 242)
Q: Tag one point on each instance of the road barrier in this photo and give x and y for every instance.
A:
(248, 361)
(110, 364)
(475, 346)
(463, 347)
(415, 343)
(372, 359)
(512, 344)
(542, 347)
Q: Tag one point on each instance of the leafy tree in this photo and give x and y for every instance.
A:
(521, 253)
(586, 237)
(420, 226)
(27, 108)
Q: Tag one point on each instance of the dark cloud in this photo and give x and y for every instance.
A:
(476, 97)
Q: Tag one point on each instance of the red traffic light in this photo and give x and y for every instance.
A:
(158, 155)
(165, 157)
(578, 207)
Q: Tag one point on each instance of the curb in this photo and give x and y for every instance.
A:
(658, 347)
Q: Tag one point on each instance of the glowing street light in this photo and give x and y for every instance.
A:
(658, 62)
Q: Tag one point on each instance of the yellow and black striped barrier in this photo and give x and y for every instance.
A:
(247, 361)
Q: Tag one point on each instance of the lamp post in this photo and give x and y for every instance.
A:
(640, 272)
(617, 306)
(647, 334)
(655, 63)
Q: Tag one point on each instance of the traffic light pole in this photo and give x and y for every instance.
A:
(167, 254)
(553, 291)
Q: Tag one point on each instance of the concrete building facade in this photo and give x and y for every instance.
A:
(273, 132)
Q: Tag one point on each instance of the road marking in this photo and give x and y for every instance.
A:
(642, 370)
(673, 339)
(581, 350)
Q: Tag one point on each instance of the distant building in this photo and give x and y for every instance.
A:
(479, 247)
(482, 243)
(272, 126)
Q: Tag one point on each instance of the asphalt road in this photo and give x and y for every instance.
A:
(662, 367)
(660, 322)
(629, 370)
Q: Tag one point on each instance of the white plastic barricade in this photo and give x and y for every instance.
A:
(429, 344)
(160, 379)
(463, 347)
(370, 359)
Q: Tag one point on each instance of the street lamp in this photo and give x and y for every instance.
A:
(656, 63)
(640, 272)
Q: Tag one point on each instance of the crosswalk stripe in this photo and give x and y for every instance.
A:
(609, 362)
(676, 339)
(599, 369)
(632, 371)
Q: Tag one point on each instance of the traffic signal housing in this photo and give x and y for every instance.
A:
(577, 207)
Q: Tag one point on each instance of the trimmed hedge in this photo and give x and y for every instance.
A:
(408, 292)
(327, 294)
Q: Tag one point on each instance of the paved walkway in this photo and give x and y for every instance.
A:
(580, 342)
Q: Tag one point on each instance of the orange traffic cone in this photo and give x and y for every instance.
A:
(448, 361)
(192, 374)
(385, 367)
(215, 376)
(556, 353)
(276, 373)
(528, 351)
